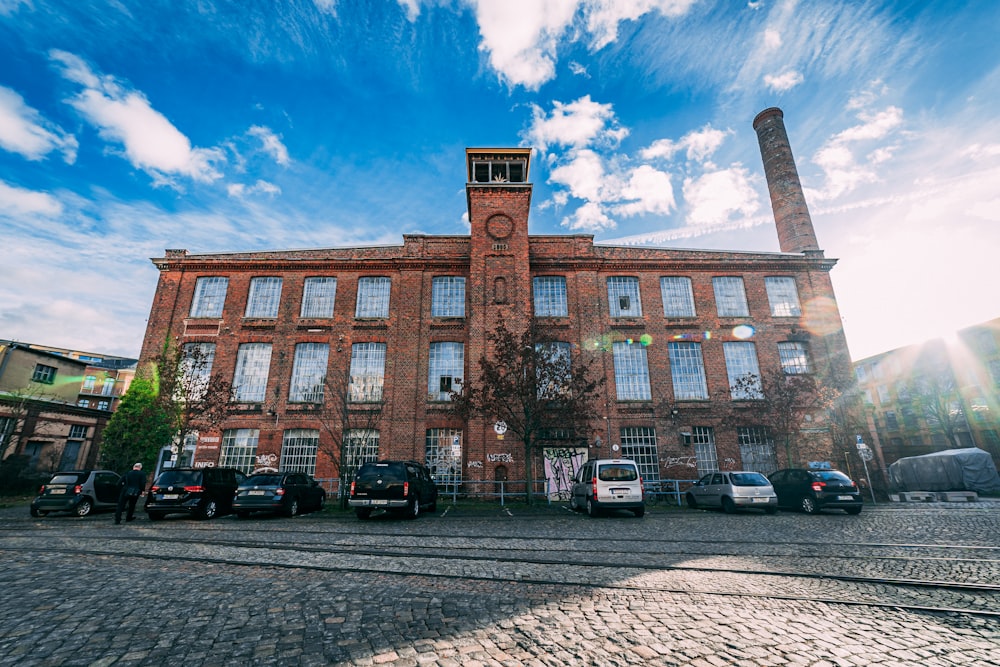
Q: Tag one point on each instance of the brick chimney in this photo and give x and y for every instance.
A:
(791, 215)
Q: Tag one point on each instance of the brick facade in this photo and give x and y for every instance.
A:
(498, 261)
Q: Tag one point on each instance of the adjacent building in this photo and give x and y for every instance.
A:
(671, 331)
(942, 394)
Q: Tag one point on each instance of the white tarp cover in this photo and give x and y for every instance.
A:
(970, 469)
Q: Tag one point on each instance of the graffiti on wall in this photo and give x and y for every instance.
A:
(561, 464)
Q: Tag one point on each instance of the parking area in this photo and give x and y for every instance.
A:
(506, 586)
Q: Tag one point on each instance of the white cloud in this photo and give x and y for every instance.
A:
(700, 145)
(647, 190)
(589, 217)
(784, 81)
(15, 201)
(603, 16)
(326, 6)
(577, 124)
(713, 197)
(772, 39)
(150, 141)
(412, 8)
(240, 190)
(583, 174)
(272, 144)
(842, 169)
(23, 130)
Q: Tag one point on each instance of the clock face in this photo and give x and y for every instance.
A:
(499, 226)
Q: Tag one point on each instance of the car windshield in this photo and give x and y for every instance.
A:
(179, 478)
(832, 476)
(749, 479)
(617, 472)
(387, 471)
(262, 480)
(66, 479)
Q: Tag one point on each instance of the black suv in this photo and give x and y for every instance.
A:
(404, 487)
(812, 490)
(77, 491)
(202, 492)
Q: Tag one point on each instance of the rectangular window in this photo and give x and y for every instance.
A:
(730, 296)
(757, 449)
(553, 371)
(883, 393)
(373, 297)
(103, 405)
(309, 373)
(443, 456)
(639, 444)
(252, 364)
(83, 403)
(108, 388)
(298, 450)
(209, 296)
(360, 447)
(550, 296)
(265, 295)
(239, 449)
(623, 296)
(744, 374)
(678, 297)
(446, 369)
(783, 296)
(77, 431)
(794, 360)
(448, 296)
(318, 297)
(631, 372)
(687, 370)
(705, 454)
(891, 423)
(367, 372)
(196, 370)
(44, 374)
(89, 382)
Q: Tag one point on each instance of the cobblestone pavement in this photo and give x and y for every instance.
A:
(678, 587)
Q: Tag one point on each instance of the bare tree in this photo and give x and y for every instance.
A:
(937, 399)
(16, 406)
(790, 407)
(534, 386)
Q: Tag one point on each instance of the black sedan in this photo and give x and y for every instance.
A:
(812, 490)
(287, 493)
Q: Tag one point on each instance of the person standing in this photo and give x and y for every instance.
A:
(133, 484)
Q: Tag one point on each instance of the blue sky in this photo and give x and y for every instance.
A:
(130, 127)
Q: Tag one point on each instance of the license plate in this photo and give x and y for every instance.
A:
(170, 496)
(57, 491)
(256, 492)
(621, 492)
(380, 501)
(845, 497)
(760, 500)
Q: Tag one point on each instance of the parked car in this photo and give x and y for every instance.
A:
(404, 487)
(77, 491)
(732, 490)
(201, 492)
(608, 484)
(812, 490)
(287, 493)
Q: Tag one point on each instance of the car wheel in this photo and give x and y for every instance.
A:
(293, 507)
(639, 512)
(84, 508)
(413, 511)
(591, 508)
(155, 516)
(691, 502)
(209, 510)
(808, 505)
(728, 506)
(853, 510)
(573, 504)
(363, 512)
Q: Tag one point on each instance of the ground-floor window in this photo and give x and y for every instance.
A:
(757, 449)
(443, 455)
(639, 444)
(298, 450)
(239, 449)
(360, 446)
(705, 454)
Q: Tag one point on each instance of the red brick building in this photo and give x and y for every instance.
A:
(669, 329)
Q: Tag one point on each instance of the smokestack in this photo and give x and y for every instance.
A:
(791, 215)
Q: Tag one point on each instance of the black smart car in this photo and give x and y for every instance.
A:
(287, 493)
(78, 491)
(812, 490)
(200, 492)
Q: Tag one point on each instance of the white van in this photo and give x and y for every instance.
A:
(608, 484)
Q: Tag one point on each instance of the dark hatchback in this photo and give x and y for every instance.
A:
(200, 492)
(78, 491)
(287, 493)
(812, 490)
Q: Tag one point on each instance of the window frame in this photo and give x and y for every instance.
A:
(741, 360)
(443, 356)
(307, 383)
(631, 366)
(319, 297)
(730, 296)
(209, 299)
(448, 296)
(550, 296)
(250, 359)
(374, 295)
(783, 296)
(624, 287)
(264, 298)
(687, 367)
(681, 294)
(794, 358)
